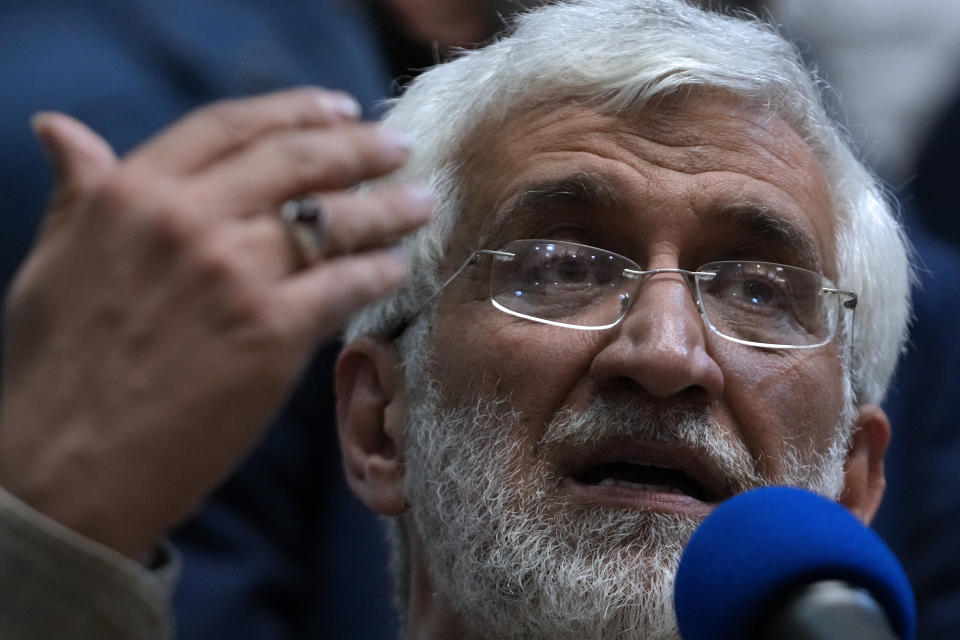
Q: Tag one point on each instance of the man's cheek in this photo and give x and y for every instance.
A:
(798, 398)
(504, 355)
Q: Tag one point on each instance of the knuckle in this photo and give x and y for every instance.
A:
(166, 211)
(334, 158)
(117, 192)
(307, 166)
(393, 212)
(368, 281)
(297, 152)
(271, 323)
(264, 327)
(215, 266)
(376, 214)
(379, 151)
(308, 106)
(229, 118)
(341, 229)
(171, 224)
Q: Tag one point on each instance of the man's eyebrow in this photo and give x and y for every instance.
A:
(581, 188)
(761, 221)
(594, 192)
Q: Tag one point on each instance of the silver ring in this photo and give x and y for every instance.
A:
(306, 219)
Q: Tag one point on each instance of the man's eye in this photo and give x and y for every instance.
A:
(758, 292)
(569, 269)
(558, 269)
(755, 291)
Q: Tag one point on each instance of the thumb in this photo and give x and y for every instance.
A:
(79, 156)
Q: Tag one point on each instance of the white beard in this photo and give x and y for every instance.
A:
(519, 561)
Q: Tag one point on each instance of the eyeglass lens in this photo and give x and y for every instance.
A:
(574, 285)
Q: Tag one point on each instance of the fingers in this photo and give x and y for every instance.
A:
(354, 222)
(376, 217)
(288, 164)
(144, 279)
(209, 133)
(79, 156)
(263, 246)
(255, 154)
(320, 300)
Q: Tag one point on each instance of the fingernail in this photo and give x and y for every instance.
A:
(419, 195)
(399, 254)
(399, 260)
(396, 139)
(37, 119)
(346, 106)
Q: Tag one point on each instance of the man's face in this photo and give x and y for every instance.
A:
(686, 187)
(604, 449)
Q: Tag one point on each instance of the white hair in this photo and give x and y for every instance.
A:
(619, 56)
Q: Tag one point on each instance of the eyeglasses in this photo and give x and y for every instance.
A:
(571, 285)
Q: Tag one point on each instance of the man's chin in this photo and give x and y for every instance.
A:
(519, 556)
(583, 571)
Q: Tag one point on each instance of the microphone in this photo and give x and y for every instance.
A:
(785, 563)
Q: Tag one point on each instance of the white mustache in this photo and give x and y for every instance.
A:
(693, 428)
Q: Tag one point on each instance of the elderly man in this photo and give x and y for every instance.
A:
(656, 277)
(651, 242)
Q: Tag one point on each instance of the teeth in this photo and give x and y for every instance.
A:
(650, 488)
(628, 476)
(659, 488)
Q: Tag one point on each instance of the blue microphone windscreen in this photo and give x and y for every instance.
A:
(760, 545)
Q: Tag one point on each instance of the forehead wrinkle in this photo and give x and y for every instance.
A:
(582, 188)
(761, 220)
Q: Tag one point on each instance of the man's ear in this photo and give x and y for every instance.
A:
(371, 413)
(864, 481)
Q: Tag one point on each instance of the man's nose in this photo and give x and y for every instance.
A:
(661, 345)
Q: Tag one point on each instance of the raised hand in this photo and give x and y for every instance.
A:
(165, 312)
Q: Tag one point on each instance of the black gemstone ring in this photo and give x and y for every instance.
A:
(306, 220)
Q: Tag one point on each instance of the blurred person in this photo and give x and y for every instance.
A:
(934, 185)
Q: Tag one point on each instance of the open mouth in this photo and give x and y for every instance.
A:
(647, 475)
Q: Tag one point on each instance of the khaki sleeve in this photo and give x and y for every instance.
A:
(55, 583)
